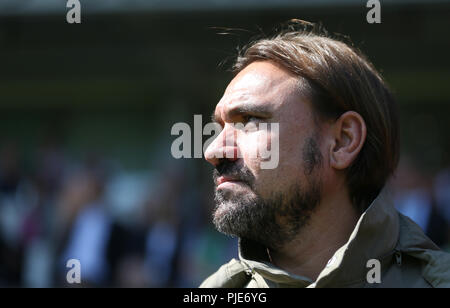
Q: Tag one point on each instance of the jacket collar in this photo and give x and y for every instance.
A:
(374, 237)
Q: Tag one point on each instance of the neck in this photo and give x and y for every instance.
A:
(328, 229)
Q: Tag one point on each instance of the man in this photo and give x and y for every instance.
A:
(319, 219)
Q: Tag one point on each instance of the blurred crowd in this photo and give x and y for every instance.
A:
(424, 197)
(148, 228)
(127, 228)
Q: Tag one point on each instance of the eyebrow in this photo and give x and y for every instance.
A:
(258, 110)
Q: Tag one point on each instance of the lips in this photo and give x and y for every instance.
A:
(224, 179)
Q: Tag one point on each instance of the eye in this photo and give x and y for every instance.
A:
(249, 118)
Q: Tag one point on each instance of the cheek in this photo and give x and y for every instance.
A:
(290, 167)
(250, 148)
(289, 150)
(259, 147)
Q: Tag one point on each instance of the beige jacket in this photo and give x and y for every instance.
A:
(407, 258)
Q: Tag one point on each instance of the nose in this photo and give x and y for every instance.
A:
(223, 147)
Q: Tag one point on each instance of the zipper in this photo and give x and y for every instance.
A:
(398, 257)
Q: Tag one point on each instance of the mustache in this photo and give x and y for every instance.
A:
(234, 170)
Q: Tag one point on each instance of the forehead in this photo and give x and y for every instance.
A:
(261, 83)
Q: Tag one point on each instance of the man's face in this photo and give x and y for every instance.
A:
(266, 205)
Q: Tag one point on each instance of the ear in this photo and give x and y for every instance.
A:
(349, 133)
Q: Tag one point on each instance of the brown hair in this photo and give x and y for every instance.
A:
(339, 79)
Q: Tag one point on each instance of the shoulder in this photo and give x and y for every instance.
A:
(436, 269)
(435, 262)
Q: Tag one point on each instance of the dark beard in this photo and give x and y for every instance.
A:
(273, 221)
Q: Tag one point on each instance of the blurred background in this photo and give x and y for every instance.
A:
(86, 111)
